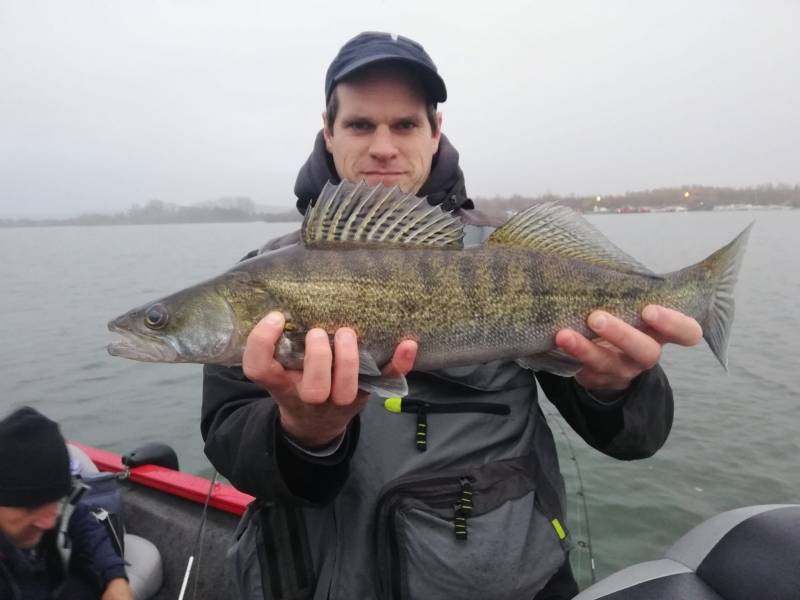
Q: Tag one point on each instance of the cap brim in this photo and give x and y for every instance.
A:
(434, 84)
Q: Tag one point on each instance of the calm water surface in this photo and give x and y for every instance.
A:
(734, 442)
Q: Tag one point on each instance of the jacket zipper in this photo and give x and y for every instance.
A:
(422, 409)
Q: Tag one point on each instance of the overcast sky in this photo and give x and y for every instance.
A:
(109, 103)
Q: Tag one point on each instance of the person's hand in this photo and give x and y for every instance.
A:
(317, 403)
(117, 589)
(622, 352)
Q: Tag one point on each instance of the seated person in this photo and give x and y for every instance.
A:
(34, 480)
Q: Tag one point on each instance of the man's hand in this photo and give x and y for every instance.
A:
(117, 589)
(317, 403)
(623, 352)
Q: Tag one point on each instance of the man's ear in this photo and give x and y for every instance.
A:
(438, 135)
(327, 133)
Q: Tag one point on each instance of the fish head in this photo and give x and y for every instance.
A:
(194, 325)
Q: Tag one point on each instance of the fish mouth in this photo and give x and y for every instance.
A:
(140, 346)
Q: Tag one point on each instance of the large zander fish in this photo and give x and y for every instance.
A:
(392, 267)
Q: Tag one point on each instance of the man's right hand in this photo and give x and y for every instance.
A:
(317, 403)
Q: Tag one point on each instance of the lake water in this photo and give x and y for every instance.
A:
(734, 442)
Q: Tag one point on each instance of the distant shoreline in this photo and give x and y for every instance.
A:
(243, 210)
(77, 222)
(24, 223)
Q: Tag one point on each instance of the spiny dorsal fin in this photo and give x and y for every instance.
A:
(554, 229)
(357, 214)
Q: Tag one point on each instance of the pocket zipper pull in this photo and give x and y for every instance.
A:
(459, 522)
(463, 508)
(466, 494)
(407, 405)
(422, 429)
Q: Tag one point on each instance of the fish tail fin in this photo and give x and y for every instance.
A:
(724, 267)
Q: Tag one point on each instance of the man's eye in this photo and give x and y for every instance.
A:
(360, 125)
(406, 125)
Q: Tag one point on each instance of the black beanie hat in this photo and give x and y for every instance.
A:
(34, 461)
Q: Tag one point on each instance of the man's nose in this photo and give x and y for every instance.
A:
(382, 146)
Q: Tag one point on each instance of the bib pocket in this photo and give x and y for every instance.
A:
(495, 530)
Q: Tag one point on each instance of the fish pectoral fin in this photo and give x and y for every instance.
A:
(553, 361)
(290, 352)
(366, 364)
(370, 378)
(291, 349)
(384, 386)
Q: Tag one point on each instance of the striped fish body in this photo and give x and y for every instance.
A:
(462, 307)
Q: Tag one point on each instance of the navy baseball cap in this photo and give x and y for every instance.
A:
(374, 46)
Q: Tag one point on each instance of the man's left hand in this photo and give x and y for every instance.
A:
(117, 589)
(621, 352)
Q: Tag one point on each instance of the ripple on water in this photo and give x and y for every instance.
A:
(96, 379)
(169, 381)
(93, 366)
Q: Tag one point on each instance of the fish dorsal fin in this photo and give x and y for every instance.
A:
(357, 214)
(554, 229)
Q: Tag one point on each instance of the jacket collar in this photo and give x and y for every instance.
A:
(445, 184)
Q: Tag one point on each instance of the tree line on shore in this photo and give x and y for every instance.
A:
(243, 209)
(689, 197)
(157, 212)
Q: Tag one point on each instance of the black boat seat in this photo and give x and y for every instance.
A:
(744, 554)
(145, 569)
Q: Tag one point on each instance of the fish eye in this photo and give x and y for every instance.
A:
(156, 316)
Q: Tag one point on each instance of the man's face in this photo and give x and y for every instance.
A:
(382, 134)
(24, 527)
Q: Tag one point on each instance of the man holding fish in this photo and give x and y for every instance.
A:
(454, 490)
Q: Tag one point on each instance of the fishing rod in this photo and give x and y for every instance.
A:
(198, 548)
(555, 417)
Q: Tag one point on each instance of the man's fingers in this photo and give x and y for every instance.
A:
(403, 359)
(590, 354)
(604, 367)
(639, 347)
(673, 326)
(315, 387)
(345, 367)
(258, 362)
(623, 351)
